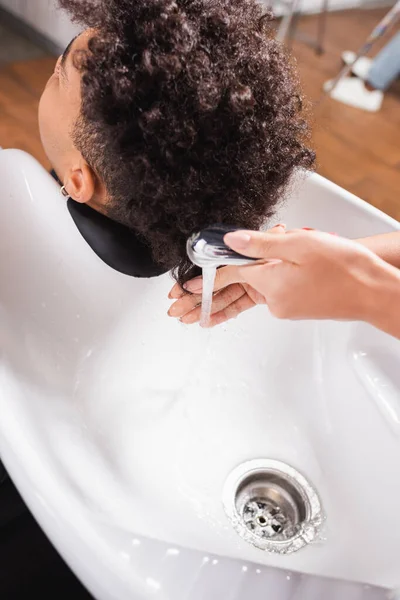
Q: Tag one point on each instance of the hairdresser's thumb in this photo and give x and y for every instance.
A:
(256, 244)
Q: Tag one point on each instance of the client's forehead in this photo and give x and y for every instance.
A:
(69, 75)
(79, 42)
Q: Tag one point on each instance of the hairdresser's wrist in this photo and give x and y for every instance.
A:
(381, 298)
(386, 246)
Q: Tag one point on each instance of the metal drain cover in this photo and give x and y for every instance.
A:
(272, 506)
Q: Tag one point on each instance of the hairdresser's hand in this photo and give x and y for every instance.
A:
(320, 276)
(231, 297)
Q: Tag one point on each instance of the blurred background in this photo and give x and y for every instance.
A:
(357, 149)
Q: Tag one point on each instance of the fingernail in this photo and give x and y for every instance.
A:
(308, 228)
(194, 285)
(237, 239)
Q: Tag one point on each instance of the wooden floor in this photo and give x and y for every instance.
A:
(21, 85)
(358, 150)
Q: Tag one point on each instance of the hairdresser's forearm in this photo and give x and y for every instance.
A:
(386, 246)
(384, 301)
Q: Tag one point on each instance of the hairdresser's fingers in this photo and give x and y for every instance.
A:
(189, 302)
(221, 300)
(232, 311)
(280, 228)
(224, 277)
(261, 245)
(176, 292)
(184, 304)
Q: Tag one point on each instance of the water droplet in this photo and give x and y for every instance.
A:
(308, 533)
(125, 556)
(153, 583)
(136, 542)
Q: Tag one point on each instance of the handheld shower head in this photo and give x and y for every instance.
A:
(208, 249)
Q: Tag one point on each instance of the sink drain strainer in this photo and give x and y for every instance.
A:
(272, 506)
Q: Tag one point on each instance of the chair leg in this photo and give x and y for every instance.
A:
(322, 27)
(286, 25)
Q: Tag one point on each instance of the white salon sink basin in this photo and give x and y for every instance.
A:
(120, 426)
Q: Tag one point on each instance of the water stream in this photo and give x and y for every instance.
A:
(207, 296)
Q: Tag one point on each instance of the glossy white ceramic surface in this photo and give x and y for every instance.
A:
(120, 425)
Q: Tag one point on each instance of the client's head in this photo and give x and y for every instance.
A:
(170, 115)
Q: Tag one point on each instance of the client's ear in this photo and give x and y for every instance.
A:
(80, 182)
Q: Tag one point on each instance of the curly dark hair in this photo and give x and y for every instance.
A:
(191, 115)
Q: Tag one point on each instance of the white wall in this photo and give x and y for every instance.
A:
(315, 6)
(43, 16)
